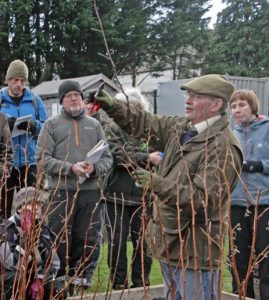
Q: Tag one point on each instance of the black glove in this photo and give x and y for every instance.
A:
(11, 122)
(30, 126)
(136, 154)
(138, 157)
(118, 155)
(23, 125)
(252, 166)
(89, 96)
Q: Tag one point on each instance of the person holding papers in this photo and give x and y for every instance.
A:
(74, 204)
(26, 111)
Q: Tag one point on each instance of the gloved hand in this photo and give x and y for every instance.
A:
(26, 220)
(23, 125)
(28, 125)
(144, 178)
(138, 157)
(252, 166)
(11, 122)
(129, 154)
(118, 155)
(136, 154)
(36, 290)
(104, 99)
(135, 148)
(89, 96)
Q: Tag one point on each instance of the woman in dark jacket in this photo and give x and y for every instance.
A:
(126, 208)
(126, 211)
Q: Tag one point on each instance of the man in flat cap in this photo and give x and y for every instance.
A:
(192, 185)
(16, 101)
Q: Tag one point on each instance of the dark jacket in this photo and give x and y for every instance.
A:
(17, 252)
(119, 183)
(190, 214)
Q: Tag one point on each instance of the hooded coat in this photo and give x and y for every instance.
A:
(252, 187)
(15, 253)
(24, 145)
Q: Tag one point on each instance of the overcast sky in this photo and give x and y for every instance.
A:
(217, 6)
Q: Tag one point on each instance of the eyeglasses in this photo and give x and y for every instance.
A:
(72, 94)
(194, 96)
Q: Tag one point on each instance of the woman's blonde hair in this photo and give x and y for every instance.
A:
(249, 96)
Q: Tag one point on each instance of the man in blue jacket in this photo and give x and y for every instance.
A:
(17, 100)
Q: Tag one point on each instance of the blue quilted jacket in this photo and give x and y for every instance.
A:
(24, 145)
(254, 140)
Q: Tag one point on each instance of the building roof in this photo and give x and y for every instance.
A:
(49, 89)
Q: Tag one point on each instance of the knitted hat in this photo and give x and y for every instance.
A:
(67, 86)
(17, 68)
(211, 85)
(27, 195)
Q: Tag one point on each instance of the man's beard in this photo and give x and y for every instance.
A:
(74, 110)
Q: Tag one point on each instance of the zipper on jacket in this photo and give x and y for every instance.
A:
(20, 154)
(76, 132)
(246, 154)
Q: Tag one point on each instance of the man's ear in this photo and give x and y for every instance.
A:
(217, 105)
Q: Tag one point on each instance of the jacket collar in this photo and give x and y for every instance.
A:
(202, 126)
(69, 116)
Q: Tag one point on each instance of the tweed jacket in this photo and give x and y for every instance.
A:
(193, 187)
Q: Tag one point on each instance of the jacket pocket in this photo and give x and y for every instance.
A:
(172, 225)
(166, 240)
(176, 239)
(153, 237)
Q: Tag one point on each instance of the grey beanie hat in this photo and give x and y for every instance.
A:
(67, 86)
(27, 195)
(17, 68)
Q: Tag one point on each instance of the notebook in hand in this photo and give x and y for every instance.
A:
(94, 155)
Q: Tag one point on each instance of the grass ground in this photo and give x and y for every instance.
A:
(101, 277)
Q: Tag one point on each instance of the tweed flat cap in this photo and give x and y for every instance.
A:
(211, 85)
